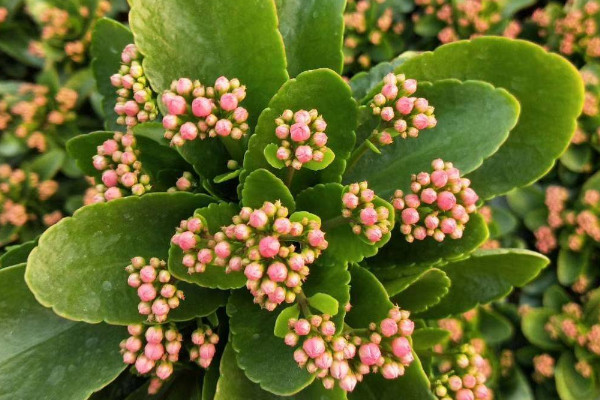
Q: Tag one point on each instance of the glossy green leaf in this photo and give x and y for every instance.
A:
(221, 38)
(532, 325)
(369, 299)
(69, 360)
(234, 385)
(78, 266)
(487, 275)
(503, 222)
(555, 297)
(16, 254)
(281, 324)
(320, 89)
(419, 291)
(426, 338)
(47, 165)
(524, 200)
(474, 119)
(324, 303)
(344, 246)
(547, 86)
(312, 31)
(399, 253)
(516, 387)
(578, 158)
(570, 384)
(571, 264)
(493, 326)
(109, 38)
(217, 216)
(261, 185)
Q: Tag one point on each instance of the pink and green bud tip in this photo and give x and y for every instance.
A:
(368, 215)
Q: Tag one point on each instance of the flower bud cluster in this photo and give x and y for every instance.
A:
(156, 288)
(136, 102)
(33, 115)
(574, 30)
(303, 137)
(543, 366)
(272, 250)
(152, 350)
(365, 34)
(344, 359)
(196, 111)
(366, 219)
(572, 329)
(122, 173)
(439, 205)
(400, 115)
(464, 372)
(204, 348)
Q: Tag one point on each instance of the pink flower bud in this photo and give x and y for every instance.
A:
(439, 178)
(223, 127)
(291, 339)
(446, 201)
(184, 86)
(428, 196)
(202, 107)
(253, 271)
(296, 262)
(177, 105)
(282, 226)
(410, 85)
(222, 250)
(277, 272)
(390, 91)
(314, 347)
(240, 115)
(448, 225)
(207, 351)
(282, 132)
(154, 351)
(407, 327)
(401, 347)
(300, 356)
(319, 139)
(148, 274)
(110, 178)
(222, 84)
(369, 353)
(146, 292)
(404, 105)
(112, 193)
(160, 308)
(412, 200)
(339, 369)
(304, 154)
(368, 216)
(258, 219)
(316, 238)
(269, 246)
(154, 334)
(115, 80)
(421, 104)
(421, 121)
(205, 256)
(300, 132)
(131, 108)
(228, 102)
(188, 131)
(465, 394)
(410, 216)
(187, 241)
(387, 113)
(302, 327)
(390, 371)
(143, 364)
(324, 361)
(194, 225)
(170, 122)
(348, 383)
(302, 117)
(389, 327)
(164, 370)
(469, 196)
(133, 344)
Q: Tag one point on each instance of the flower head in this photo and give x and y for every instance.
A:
(358, 202)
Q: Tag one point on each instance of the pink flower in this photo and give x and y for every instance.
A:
(253, 271)
(177, 105)
(446, 200)
(410, 216)
(146, 292)
(465, 394)
(170, 122)
(269, 246)
(202, 107)
(404, 105)
(188, 131)
(300, 132)
(407, 327)
(154, 351)
(314, 347)
(374, 234)
(277, 272)
(164, 370)
(110, 178)
(369, 354)
(187, 241)
(389, 327)
(401, 347)
(339, 369)
(368, 216)
(223, 127)
(143, 364)
(228, 102)
(304, 154)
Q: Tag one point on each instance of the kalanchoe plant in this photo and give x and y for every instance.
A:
(333, 292)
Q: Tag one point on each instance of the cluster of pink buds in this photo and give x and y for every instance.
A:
(272, 250)
(400, 114)
(122, 170)
(464, 374)
(136, 102)
(570, 327)
(439, 205)
(198, 112)
(303, 137)
(543, 365)
(204, 349)
(152, 351)
(345, 358)
(155, 286)
(365, 219)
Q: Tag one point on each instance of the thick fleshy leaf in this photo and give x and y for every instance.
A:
(570, 384)
(69, 360)
(369, 299)
(324, 303)
(16, 254)
(312, 31)
(234, 385)
(418, 292)
(578, 158)
(485, 276)
(516, 387)
(493, 326)
(571, 264)
(78, 266)
(547, 86)
(281, 324)
(261, 185)
(474, 119)
(320, 89)
(524, 200)
(555, 297)
(204, 40)
(109, 38)
(217, 216)
(344, 246)
(426, 338)
(399, 253)
(532, 325)
(46, 165)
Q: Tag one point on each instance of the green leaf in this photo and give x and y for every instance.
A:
(69, 360)
(503, 222)
(578, 158)
(487, 275)
(370, 303)
(320, 89)
(47, 165)
(426, 338)
(109, 38)
(591, 310)
(494, 327)
(344, 245)
(281, 324)
(524, 200)
(555, 297)
(547, 86)
(418, 292)
(78, 268)
(204, 40)
(474, 119)
(264, 357)
(571, 265)
(261, 185)
(313, 32)
(324, 303)
(532, 325)
(570, 384)
(234, 385)
(216, 215)
(516, 387)
(17, 254)
(399, 253)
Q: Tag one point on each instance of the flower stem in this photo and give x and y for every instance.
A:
(334, 222)
(290, 177)
(303, 304)
(359, 152)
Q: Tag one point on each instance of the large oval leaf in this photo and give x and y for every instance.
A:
(69, 360)
(325, 91)
(547, 86)
(474, 119)
(419, 291)
(313, 32)
(533, 323)
(570, 384)
(78, 266)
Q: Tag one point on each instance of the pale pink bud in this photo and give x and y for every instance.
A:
(146, 292)
(300, 132)
(258, 219)
(202, 107)
(324, 361)
(446, 201)
(253, 271)
(194, 225)
(439, 178)
(291, 339)
(240, 115)
(389, 327)
(277, 272)
(314, 347)
(390, 91)
(223, 127)
(368, 216)
(187, 241)
(228, 102)
(404, 105)
(164, 370)
(269, 246)
(401, 347)
(148, 274)
(465, 394)
(131, 108)
(369, 353)
(222, 250)
(420, 121)
(188, 131)
(170, 122)
(205, 256)
(319, 139)
(374, 234)
(390, 371)
(282, 226)
(387, 113)
(207, 351)
(222, 84)
(133, 344)
(469, 196)
(410, 85)
(302, 327)
(412, 200)
(302, 117)
(316, 238)
(339, 369)
(110, 178)
(177, 105)
(348, 383)
(154, 351)
(410, 216)
(421, 104)
(184, 86)
(407, 327)
(154, 334)
(143, 364)
(428, 196)
(431, 222)
(304, 154)
(300, 356)
(134, 280)
(282, 132)
(448, 225)
(160, 307)
(296, 262)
